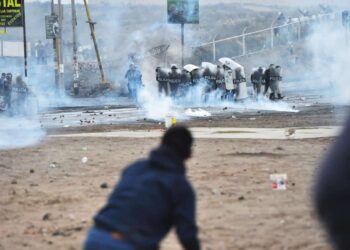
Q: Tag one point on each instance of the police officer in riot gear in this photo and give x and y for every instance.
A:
(274, 81)
(279, 81)
(21, 91)
(162, 79)
(238, 79)
(8, 89)
(2, 82)
(267, 76)
(257, 79)
(220, 80)
(174, 80)
(185, 82)
(230, 90)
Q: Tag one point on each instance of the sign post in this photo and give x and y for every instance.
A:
(182, 44)
(183, 12)
(53, 32)
(12, 15)
(25, 41)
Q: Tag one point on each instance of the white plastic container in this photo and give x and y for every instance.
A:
(170, 121)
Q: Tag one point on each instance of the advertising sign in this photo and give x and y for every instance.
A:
(11, 13)
(183, 11)
(52, 27)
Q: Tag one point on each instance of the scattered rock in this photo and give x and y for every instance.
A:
(31, 171)
(13, 182)
(224, 108)
(46, 217)
(53, 165)
(241, 198)
(290, 132)
(84, 159)
(293, 184)
(104, 185)
(279, 148)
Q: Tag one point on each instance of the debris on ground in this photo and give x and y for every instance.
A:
(84, 159)
(46, 216)
(53, 165)
(289, 132)
(241, 198)
(104, 185)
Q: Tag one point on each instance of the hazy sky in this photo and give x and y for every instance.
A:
(296, 3)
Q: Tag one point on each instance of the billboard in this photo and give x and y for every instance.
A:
(183, 11)
(11, 13)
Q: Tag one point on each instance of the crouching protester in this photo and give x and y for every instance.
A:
(152, 196)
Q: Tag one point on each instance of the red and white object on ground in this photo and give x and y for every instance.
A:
(279, 181)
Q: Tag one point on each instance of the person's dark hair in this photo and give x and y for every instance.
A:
(180, 140)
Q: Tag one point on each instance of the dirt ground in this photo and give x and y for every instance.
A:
(47, 207)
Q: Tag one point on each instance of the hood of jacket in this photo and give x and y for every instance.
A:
(164, 157)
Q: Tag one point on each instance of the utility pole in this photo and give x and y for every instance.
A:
(60, 48)
(183, 39)
(75, 47)
(92, 29)
(54, 43)
(182, 44)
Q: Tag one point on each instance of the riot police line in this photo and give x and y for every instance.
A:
(14, 96)
(228, 78)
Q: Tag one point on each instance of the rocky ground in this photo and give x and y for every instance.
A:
(51, 191)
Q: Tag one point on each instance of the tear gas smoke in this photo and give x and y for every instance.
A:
(158, 106)
(19, 132)
(330, 47)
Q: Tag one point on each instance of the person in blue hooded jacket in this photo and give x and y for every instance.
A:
(152, 196)
(332, 191)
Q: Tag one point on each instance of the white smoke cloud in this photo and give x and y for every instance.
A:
(19, 132)
(330, 49)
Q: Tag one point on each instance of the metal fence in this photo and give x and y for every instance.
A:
(249, 43)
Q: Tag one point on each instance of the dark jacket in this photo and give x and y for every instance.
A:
(152, 196)
(257, 77)
(267, 76)
(162, 76)
(332, 197)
